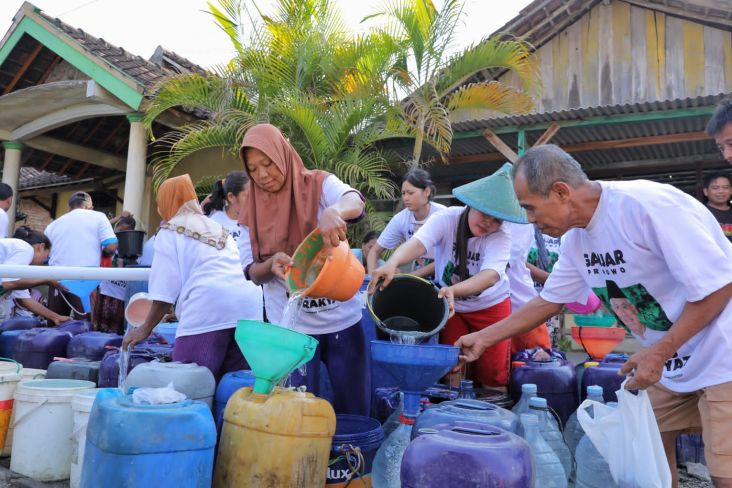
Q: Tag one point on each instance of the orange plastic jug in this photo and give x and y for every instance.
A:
(281, 440)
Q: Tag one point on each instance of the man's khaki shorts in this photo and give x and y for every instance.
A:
(708, 410)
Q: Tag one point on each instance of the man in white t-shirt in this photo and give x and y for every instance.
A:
(646, 249)
(6, 200)
(78, 238)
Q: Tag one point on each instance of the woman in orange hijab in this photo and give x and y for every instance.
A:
(196, 268)
(286, 202)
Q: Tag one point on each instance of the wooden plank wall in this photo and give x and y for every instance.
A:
(618, 53)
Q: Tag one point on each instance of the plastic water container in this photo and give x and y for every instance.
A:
(555, 380)
(437, 394)
(388, 460)
(109, 368)
(592, 470)
(284, 438)
(43, 425)
(579, 371)
(26, 374)
(467, 455)
(551, 433)
(605, 374)
(92, 345)
(573, 432)
(548, 467)
(229, 384)
(162, 352)
(36, 348)
(167, 330)
(354, 434)
(74, 369)
(7, 342)
(81, 405)
(528, 391)
(19, 323)
(475, 411)
(383, 402)
(140, 446)
(74, 327)
(194, 381)
(392, 422)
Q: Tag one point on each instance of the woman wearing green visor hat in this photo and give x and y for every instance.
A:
(472, 248)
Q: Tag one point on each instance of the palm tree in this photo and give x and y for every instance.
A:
(435, 84)
(299, 70)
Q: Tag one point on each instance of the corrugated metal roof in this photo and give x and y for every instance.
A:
(586, 113)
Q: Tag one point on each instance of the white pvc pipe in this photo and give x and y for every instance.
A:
(74, 273)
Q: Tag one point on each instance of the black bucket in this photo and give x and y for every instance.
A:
(409, 307)
(130, 242)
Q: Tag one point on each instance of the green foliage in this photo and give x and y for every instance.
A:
(301, 71)
(338, 96)
(431, 82)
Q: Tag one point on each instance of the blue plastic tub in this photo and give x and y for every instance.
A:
(353, 432)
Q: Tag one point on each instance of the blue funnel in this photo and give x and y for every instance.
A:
(82, 289)
(414, 367)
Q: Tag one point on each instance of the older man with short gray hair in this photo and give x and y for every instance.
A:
(646, 249)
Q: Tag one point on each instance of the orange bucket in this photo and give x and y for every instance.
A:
(598, 341)
(314, 275)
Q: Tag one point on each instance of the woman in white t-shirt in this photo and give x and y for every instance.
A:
(286, 203)
(226, 199)
(418, 190)
(196, 268)
(27, 247)
(472, 248)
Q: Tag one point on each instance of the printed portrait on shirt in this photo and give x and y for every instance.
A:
(634, 308)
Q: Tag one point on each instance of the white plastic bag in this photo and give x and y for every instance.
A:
(628, 439)
(157, 396)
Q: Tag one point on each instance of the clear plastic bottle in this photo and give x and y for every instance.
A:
(549, 470)
(386, 469)
(551, 433)
(528, 390)
(592, 470)
(393, 421)
(573, 432)
(467, 390)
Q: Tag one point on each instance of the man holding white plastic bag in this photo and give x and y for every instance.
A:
(667, 255)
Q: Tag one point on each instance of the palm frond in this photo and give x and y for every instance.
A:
(228, 17)
(513, 55)
(491, 95)
(210, 94)
(177, 145)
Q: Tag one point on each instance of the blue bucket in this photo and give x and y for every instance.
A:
(354, 434)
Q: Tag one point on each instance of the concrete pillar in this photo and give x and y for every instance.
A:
(11, 176)
(135, 175)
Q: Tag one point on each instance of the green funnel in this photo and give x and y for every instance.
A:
(272, 351)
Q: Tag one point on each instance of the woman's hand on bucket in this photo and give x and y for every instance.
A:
(447, 292)
(382, 276)
(134, 337)
(332, 228)
(280, 264)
